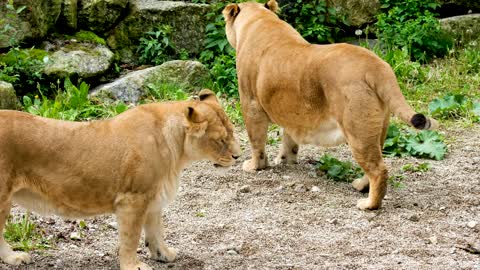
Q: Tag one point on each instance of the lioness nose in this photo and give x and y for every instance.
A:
(235, 157)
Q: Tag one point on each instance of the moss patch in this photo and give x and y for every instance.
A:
(87, 36)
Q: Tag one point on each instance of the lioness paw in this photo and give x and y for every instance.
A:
(283, 159)
(251, 166)
(17, 258)
(366, 204)
(137, 266)
(165, 255)
(361, 184)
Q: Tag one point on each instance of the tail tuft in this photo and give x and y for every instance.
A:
(419, 121)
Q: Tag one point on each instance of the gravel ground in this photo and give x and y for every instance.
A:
(292, 217)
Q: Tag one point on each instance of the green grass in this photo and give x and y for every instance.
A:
(71, 104)
(23, 234)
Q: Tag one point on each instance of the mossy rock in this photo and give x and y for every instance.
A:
(8, 98)
(100, 15)
(186, 19)
(190, 76)
(463, 28)
(84, 60)
(33, 23)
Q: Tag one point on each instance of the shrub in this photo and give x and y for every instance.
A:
(453, 106)
(157, 46)
(315, 20)
(412, 24)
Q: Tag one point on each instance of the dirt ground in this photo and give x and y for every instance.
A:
(228, 219)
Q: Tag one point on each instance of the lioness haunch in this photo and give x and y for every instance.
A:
(128, 165)
(320, 94)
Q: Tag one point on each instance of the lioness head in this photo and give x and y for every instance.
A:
(210, 132)
(233, 15)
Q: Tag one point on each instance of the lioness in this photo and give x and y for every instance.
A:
(320, 94)
(128, 165)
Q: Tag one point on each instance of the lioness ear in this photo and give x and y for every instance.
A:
(195, 125)
(272, 5)
(208, 96)
(231, 11)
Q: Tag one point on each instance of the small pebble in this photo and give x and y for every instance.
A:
(442, 208)
(300, 188)
(232, 252)
(75, 236)
(286, 177)
(413, 217)
(472, 224)
(245, 189)
(333, 221)
(113, 224)
(315, 189)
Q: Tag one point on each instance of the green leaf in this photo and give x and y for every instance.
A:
(427, 143)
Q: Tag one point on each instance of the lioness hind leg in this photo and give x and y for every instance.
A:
(370, 159)
(288, 150)
(130, 211)
(362, 184)
(6, 253)
(256, 122)
(154, 238)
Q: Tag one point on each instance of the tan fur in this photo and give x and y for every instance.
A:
(128, 165)
(319, 94)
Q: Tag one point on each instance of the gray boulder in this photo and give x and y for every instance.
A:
(463, 28)
(82, 59)
(8, 99)
(100, 15)
(34, 22)
(190, 75)
(186, 19)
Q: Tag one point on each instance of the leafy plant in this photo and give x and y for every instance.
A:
(455, 106)
(157, 46)
(315, 20)
(338, 170)
(71, 104)
(425, 144)
(396, 181)
(422, 167)
(218, 55)
(273, 134)
(23, 67)
(223, 70)
(233, 110)
(23, 234)
(412, 24)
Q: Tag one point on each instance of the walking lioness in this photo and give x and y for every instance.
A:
(128, 165)
(320, 94)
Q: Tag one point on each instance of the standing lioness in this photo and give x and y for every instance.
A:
(320, 94)
(128, 165)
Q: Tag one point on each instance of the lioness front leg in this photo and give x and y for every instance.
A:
(154, 238)
(256, 122)
(6, 253)
(288, 150)
(130, 215)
